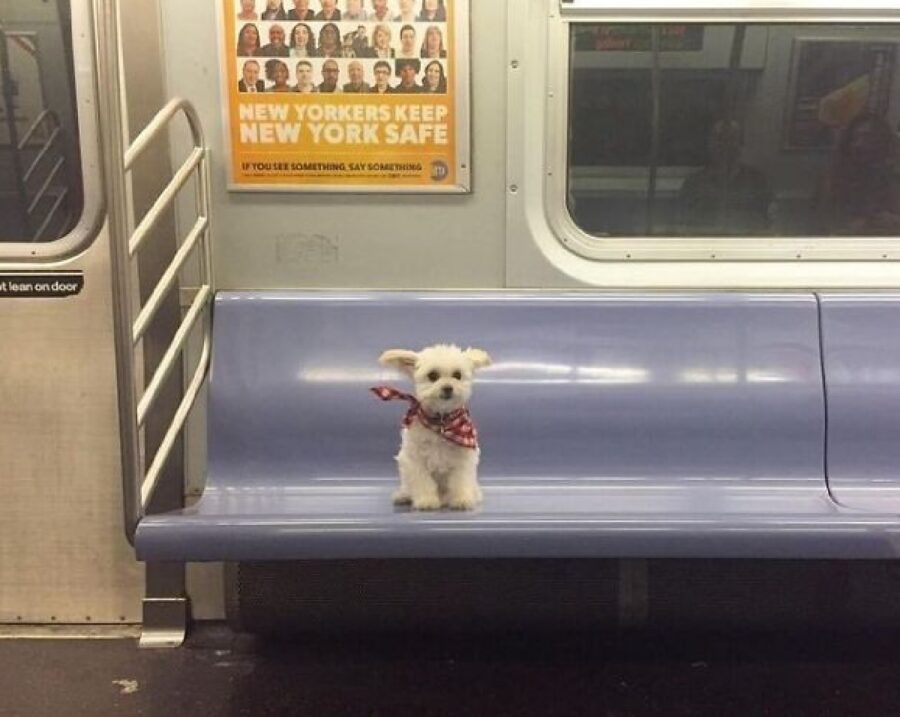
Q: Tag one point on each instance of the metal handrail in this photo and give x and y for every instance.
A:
(35, 126)
(165, 199)
(162, 119)
(57, 131)
(39, 195)
(196, 164)
(167, 364)
(50, 120)
(51, 214)
(151, 481)
(145, 317)
(131, 321)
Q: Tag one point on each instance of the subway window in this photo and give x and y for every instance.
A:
(741, 130)
(41, 192)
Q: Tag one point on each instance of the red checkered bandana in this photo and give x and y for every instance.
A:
(456, 427)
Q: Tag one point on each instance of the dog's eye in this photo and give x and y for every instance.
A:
(457, 375)
(434, 376)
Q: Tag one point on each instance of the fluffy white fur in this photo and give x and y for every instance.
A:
(434, 472)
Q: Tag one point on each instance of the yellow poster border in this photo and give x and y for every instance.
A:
(461, 82)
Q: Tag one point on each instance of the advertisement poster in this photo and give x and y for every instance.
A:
(832, 82)
(638, 38)
(347, 95)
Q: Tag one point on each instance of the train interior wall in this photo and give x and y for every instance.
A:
(63, 556)
(353, 240)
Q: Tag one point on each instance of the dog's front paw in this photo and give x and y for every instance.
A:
(401, 497)
(464, 502)
(427, 503)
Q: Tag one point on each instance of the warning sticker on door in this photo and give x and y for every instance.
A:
(41, 285)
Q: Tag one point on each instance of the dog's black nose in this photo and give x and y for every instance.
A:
(447, 392)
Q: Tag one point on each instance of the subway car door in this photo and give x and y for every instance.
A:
(64, 558)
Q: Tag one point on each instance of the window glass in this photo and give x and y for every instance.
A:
(41, 195)
(734, 130)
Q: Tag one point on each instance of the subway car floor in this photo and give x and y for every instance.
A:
(218, 673)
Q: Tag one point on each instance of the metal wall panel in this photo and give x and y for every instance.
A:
(360, 241)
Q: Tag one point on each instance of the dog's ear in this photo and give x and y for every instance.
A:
(479, 358)
(400, 359)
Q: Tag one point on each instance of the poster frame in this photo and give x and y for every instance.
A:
(790, 110)
(463, 122)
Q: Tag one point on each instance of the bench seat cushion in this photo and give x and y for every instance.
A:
(528, 519)
(661, 425)
(861, 339)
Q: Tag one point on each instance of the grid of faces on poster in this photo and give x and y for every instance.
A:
(324, 46)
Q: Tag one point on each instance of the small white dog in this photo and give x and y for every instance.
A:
(439, 453)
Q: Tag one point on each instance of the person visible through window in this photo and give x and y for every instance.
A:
(860, 193)
(726, 197)
(250, 81)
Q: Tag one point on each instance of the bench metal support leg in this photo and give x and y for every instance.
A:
(633, 593)
(166, 606)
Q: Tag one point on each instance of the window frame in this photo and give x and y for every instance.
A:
(81, 236)
(559, 253)
(739, 248)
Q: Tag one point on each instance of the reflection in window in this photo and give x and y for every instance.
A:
(40, 169)
(734, 130)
